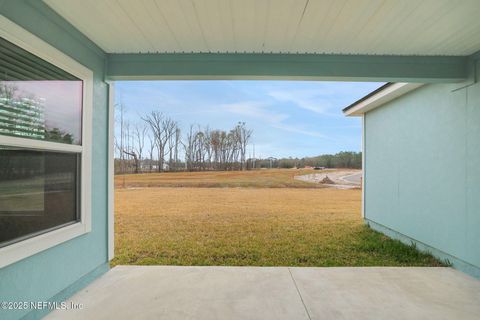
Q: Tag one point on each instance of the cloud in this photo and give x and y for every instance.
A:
(256, 110)
(260, 111)
(305, 99)
(323, 98)
(300, 130)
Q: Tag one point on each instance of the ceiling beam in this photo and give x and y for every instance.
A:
(161, 66)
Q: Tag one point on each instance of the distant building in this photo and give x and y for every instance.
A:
(22, 117)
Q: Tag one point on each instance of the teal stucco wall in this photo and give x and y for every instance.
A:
(55, 272)
(422, 170)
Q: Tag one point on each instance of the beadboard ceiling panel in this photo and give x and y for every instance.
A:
(373, 27)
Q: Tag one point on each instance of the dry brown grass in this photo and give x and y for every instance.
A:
(248, 226)
(271, 178)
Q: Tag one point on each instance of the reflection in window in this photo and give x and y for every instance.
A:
(38, 191)
(37, 99)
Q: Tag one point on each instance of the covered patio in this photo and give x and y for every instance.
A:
(430, 43)
(169, 292)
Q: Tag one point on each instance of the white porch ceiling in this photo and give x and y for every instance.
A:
(391, 27)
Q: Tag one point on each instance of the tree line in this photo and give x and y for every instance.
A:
(158, 144)
(344, 159)
(207, 149)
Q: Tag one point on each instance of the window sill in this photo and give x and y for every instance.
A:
(26, 248)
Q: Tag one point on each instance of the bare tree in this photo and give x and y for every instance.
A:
(205, 149)
(129, 147)
(151, 140)
(162, 128)
(124, 144)
(171, 130)
(135, 159)
(154, 120)
(243, 136)
(208, 147)
(173, 145)
(188, 147)
(178, 138)
(120, 142)
(140, 133)
(217, 149)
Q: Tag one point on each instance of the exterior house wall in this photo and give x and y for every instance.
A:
(422, 171)
(56, 273)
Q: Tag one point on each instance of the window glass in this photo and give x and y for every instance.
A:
(38, 191)
(37, 99)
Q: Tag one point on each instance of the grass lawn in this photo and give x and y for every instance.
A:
(272, 178)
(248, 225)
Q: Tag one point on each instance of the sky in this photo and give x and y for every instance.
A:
(288, 118)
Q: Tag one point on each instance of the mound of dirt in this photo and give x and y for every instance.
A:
(326, 180)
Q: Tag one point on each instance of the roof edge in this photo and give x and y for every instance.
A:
(379, 97)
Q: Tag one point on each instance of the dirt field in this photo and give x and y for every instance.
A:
(305, 225)
(337, 177)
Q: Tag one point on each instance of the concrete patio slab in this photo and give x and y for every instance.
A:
(388, 293)
(168, 292)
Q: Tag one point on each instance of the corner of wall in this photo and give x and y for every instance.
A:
(69, 291)
(473, 68)
(455, 262)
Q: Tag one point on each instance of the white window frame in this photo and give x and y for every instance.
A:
(30, 246)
